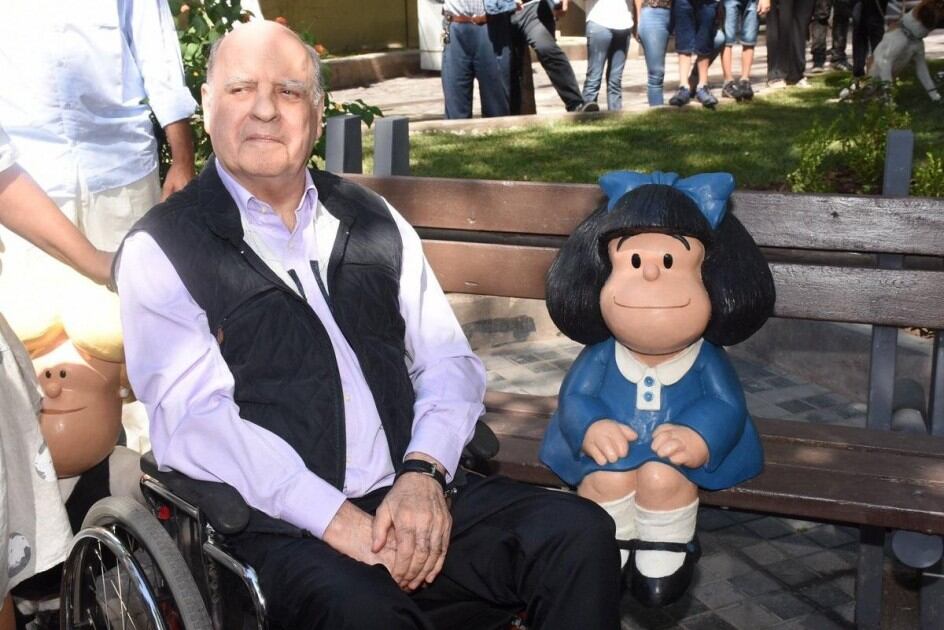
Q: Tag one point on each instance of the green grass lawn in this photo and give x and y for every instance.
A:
(757, 141)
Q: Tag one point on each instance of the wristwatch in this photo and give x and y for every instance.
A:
(424, 468)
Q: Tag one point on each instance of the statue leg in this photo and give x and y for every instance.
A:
(615, 492)
(666, 512)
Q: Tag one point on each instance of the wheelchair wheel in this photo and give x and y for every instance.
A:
(124, 571)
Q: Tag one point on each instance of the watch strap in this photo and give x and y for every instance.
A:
(424, 468)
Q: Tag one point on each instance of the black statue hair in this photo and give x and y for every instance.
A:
(735, 273)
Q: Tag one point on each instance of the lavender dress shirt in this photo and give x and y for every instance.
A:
(177, 371)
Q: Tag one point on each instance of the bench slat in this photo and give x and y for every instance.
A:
(845, 294)
(825, 222)
(807, 482)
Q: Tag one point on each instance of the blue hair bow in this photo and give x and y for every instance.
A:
(709, 191)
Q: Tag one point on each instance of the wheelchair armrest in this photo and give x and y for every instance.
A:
(221, 505)
(482, 447)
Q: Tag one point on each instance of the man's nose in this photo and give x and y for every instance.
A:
(264, 106)
(650, 271)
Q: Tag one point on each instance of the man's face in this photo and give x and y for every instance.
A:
(258, 105)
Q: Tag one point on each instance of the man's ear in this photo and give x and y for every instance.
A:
(205, 106)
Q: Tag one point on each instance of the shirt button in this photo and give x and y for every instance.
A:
(649, 381)
(647, 396)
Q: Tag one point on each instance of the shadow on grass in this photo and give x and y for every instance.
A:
(755, 141)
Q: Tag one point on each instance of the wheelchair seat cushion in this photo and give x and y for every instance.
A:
(221, 505)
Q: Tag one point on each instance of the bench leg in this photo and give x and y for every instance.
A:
(932, 598)
(868, 613)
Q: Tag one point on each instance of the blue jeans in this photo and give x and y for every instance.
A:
(695, 26)
(605, 46)
(745, 12)
(655, 26)
(478, 52)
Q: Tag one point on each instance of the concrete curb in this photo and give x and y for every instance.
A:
(361, 70)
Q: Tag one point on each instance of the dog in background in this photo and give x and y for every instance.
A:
(905, 43)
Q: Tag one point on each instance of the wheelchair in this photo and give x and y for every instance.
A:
(165, 566)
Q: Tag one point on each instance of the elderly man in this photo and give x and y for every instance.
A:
(288, 338)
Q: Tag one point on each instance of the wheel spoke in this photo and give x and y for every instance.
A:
(101, 565)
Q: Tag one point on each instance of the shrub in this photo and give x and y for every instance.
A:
(849, 155)
(929, 177)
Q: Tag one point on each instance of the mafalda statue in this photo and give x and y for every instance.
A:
(655, 282)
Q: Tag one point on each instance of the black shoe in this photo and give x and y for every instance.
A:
(589, 106)
(681, 98)
(747, 92)
(705, 97)
(843, 65)
(731, 90)
(653, 592)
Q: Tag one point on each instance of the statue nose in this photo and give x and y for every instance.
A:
(650, 271)
(52, 387)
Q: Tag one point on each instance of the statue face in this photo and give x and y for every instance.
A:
(81, 413)
(654, 301)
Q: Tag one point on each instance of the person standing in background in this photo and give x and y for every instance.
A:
(695, 31)
(81, 82)
(841, 13)
(653, 30)
(477, 46)
(609, 25)
(787, 24)
(868, 28)
(741, 24)
(536, 23)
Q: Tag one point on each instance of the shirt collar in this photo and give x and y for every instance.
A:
(255, 211)
(668, 372)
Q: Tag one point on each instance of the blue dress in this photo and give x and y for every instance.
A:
(708, 399)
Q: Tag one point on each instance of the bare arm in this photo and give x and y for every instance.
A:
(26, 210)
(180, 140)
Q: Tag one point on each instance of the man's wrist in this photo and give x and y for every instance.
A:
(423, 467)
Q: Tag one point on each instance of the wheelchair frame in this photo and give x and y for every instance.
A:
(227, 589)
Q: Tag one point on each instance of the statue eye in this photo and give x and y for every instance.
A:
(637, 261)
(48, 373)
(667, 261)
(62, 373)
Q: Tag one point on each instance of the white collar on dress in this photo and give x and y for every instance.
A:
(667, 373)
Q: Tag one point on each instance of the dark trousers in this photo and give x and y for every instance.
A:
(842, 15)
(481, 52)
(514, 548)
(787, 23)
(868, 28)
(535, 25)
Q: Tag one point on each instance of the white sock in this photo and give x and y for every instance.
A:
(677, 526)
(623, 513)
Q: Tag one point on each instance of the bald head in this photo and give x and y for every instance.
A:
(260, 35)
(262, 108)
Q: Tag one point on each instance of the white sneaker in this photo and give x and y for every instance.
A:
(777, 84)
(803, 83)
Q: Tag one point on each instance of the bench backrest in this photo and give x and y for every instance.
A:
(499, 238)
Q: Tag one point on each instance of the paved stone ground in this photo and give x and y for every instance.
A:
(756, 571)
(420, 98)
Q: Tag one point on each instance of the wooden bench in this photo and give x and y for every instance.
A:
(833, 258)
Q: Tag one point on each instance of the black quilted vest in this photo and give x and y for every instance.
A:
(277, 349)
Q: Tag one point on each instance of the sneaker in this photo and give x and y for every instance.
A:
(747, 92)
(731, 89)
(818, 69)
(681, 98)
(705, 97)
(777, 84)
(843, 65)
(589, 106)
(803, 83)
